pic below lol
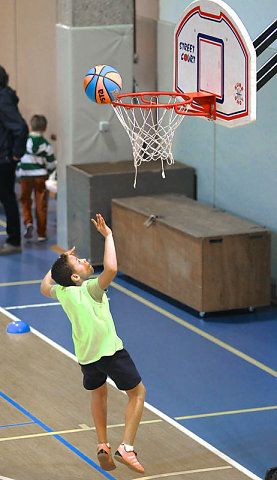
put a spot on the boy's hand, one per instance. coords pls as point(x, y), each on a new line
point(101, 225)
point(70, 252)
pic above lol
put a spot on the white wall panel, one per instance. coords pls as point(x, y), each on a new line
point(80, 141)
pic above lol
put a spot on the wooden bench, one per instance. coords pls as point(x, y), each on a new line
point(91, 187)
point(201, 256)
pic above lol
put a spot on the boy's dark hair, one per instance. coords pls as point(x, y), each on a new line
point(38, 123)
point(4, 77)
point(61, 272)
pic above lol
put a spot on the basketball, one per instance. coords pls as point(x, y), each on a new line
point(102, 84)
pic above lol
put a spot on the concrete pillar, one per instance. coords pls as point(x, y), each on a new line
point(89, 32)
point(89, 13)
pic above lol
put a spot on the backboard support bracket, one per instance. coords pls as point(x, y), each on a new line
point(204, 105)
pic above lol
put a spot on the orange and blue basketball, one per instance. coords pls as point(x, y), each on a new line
point(102, 84)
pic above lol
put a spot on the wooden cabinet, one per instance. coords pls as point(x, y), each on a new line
point(201, 256)
point(91, 187)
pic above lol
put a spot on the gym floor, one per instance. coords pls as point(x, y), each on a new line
point(210, 383)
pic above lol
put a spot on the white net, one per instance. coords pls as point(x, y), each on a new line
point(151, 125)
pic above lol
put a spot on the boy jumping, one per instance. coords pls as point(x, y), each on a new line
point(98, 349)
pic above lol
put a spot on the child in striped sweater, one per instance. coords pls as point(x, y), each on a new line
point(33, 170)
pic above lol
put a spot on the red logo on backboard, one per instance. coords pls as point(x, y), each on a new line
point(239, 93)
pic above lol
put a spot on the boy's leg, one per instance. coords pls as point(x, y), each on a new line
point(41, 206)
point(99, 414)
point(133, 413)
point(26, 187)
point(9, 201)
point(125, 453)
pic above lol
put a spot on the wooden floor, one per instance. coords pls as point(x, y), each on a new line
point(46, 430)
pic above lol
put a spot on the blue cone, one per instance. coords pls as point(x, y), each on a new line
point(18, 326)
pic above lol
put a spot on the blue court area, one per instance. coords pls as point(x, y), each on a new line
point(215, 376)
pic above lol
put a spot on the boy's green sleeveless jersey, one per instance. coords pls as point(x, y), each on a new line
point(93, 329)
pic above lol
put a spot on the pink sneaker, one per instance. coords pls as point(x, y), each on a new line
point(104, 457)
point(128, 458)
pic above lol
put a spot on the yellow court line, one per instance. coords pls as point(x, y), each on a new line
point(185, 472)
point(26, 282)
point(44, 434)
point(176, 319)
point(76, 430)
point(2, 223)
point(231, 412)
point(197, 330)
point(57, 249)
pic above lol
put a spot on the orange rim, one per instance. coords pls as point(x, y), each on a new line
point(203, 104)
point(187, 99)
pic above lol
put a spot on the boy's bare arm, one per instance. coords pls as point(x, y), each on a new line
point(46, 284)
point(109, 261)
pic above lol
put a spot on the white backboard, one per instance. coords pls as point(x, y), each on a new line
point(213, 53)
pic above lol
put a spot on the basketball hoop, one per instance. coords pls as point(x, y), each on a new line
point(151, 118)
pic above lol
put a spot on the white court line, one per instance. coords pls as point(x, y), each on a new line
point(34, 305)
point(150, 407)
point(176, 319)
point(6, 478)
point(185, 472)
point(202, 442)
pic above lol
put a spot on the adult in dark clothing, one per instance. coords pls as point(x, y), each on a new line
point(13, 137)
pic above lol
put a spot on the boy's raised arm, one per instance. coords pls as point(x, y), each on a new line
point(46, 284)
point(109, 261)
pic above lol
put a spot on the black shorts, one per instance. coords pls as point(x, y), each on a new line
point(119, 367)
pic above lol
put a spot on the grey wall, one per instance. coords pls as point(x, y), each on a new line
point(89, 33)
point(236, 168)
point(255, 15)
